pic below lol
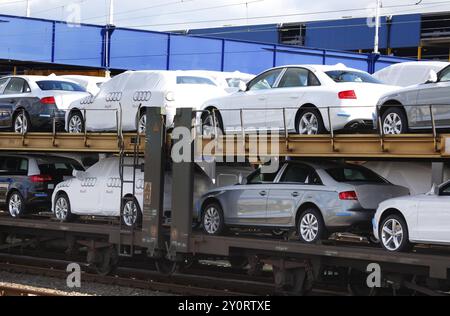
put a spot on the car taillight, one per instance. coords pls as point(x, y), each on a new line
point(349, 195)
point(345, 95)
point(48, 100)
point(41, 178)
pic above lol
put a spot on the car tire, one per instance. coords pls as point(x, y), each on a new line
point(394, 121)
point(21, 123)
point(311, 227)
point(131, 215)
point(62, 208)
point(16, 205)
point(394, 235)
point(213, 222)
point(75, 123)
point(142, 124)
point(208, 127)
point(310, 122)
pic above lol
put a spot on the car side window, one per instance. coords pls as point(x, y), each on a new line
point(258, 177)
point(445, 75)
point(3, 83)
point(298, 77)
point(13, 166)
point(265, 81)
point(297, 173)
point(15, 86)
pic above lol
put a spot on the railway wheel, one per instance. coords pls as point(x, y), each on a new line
point(357, 284)
point(62, 208)
point(291, 281)
point(310, 122)
point(166, 267)
point(212, 219)
point(16, 204)
point(311, 228)
point(394, 121)
point(76, 123)
point(394, 234)
point(103, 261)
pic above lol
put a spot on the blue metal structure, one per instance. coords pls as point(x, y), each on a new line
point(36, 40)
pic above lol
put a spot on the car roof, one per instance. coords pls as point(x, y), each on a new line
point(320, 164)
point(322, 68)
point(40, 78)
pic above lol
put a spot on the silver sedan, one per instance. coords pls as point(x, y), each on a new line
point(315, 199)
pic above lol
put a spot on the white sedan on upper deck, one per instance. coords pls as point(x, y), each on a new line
point(422, 218)
point(308, 94)
point(122, 100)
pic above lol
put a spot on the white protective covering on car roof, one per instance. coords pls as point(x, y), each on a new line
point(414, 175)
point(409, 73)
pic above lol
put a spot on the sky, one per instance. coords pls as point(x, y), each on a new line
point(170, 15)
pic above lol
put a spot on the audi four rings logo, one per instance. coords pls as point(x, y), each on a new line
point(87, 100)
point(142, 96)
point(114, 96)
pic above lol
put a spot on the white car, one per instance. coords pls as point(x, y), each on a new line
point(96, 192)
point(122, 100)
point(400, 222)
point(409, 73)
point(305, 93)
point(90, 83)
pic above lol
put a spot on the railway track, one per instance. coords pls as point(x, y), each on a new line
point(24, 291)
point(211, 282)
point(178, 283)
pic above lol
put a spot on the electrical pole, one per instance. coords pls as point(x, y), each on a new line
point(28, 8)
point(376, 49)
point(111, 12)
point(109, 28)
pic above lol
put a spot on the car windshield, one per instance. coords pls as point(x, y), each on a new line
point(340, 76)
point(354, 174)
point(194, 80)
point(48, 85)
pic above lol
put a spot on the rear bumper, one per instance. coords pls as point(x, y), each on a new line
point(350, 220)
point(44, 121)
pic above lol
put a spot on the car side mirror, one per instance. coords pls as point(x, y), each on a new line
point(79, 174)
point(242, 86)
point(242, 180)
point(432, 77)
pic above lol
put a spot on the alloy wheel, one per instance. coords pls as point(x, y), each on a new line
point(211, 221)
point(130, 213)
point(309, 124)
point(392, 124)
point(392, 235)
point(142, 124)
point(75, 124)
point(21, 123)
point(309, 227)
point(15, 205)
point(61, 208)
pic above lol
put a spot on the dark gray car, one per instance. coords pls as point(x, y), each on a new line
point(316, 199)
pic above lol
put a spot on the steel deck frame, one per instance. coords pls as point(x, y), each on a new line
point(410, 146)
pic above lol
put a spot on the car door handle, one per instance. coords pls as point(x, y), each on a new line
point(109, 191)
point(82, 191)
point(294, 97)
point(295, 194)
point(263, 193)
point(262, 98)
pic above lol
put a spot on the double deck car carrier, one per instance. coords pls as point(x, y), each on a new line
point(296, 266)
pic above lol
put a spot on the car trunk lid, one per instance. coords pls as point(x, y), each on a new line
point(370, 195)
